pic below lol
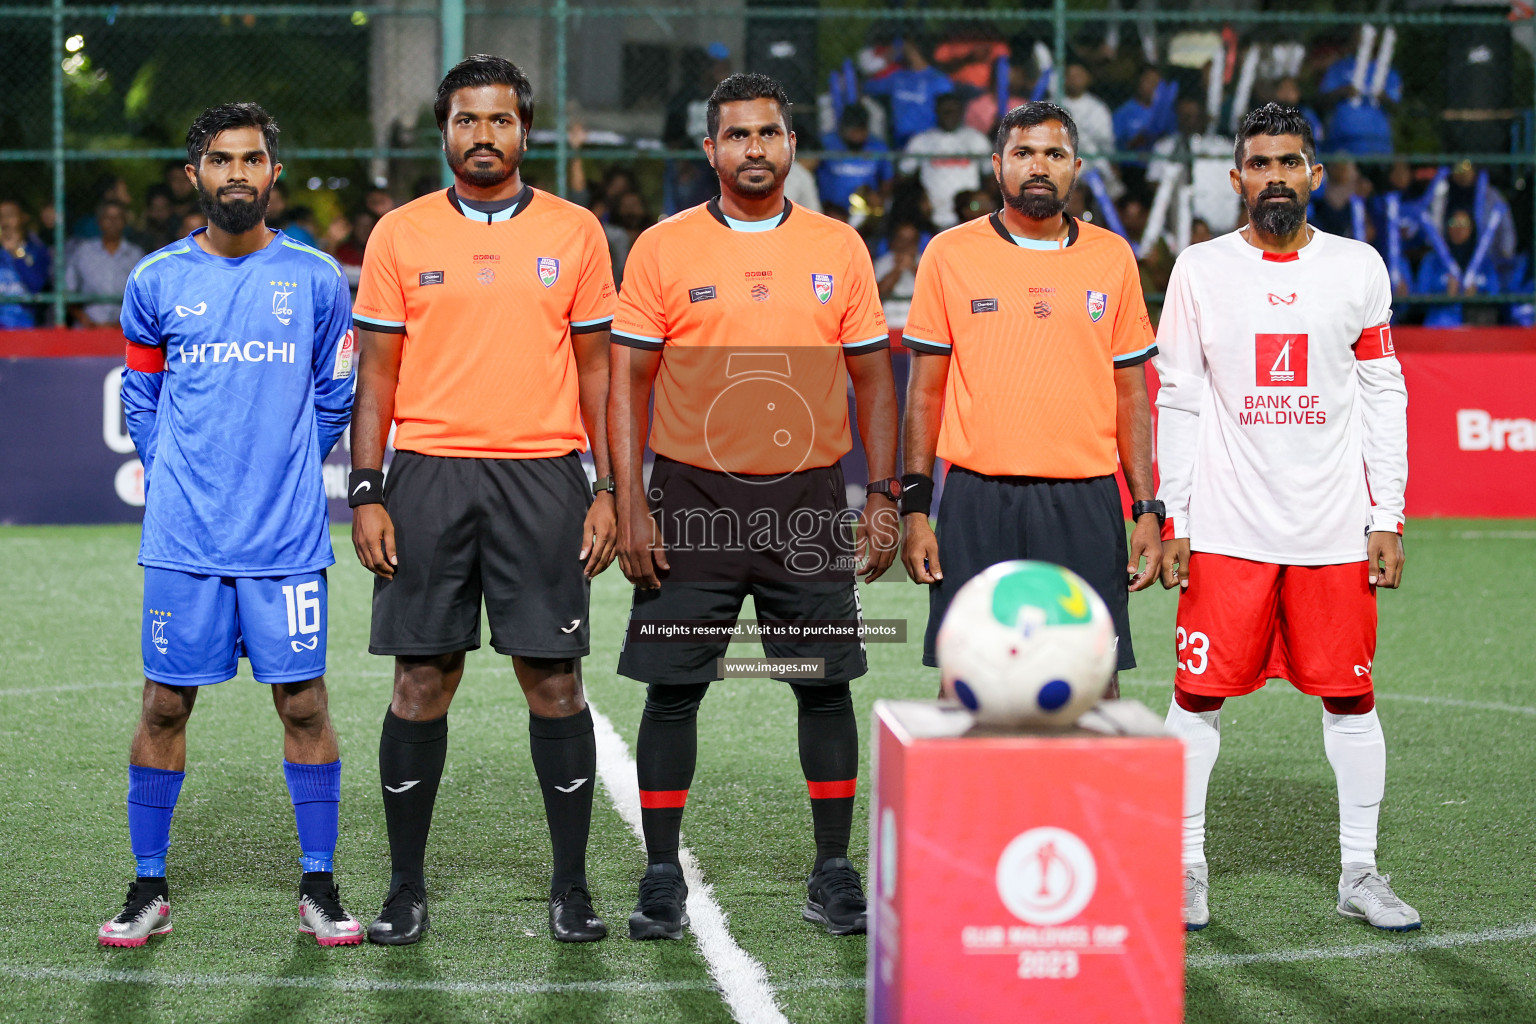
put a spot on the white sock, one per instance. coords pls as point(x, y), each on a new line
point(1357, 749)
point(1201, 733)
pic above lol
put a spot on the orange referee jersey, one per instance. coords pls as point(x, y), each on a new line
point(753, 326)
point(487, 304)
point(1035, 337)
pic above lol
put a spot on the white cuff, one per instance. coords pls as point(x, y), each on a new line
point(1386, 522)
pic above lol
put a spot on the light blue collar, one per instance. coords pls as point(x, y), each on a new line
point(1044, 244)
point(752, 225)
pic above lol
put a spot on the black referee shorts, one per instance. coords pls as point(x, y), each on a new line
point(782, 540)
point(507, 529)
point(1078, 524)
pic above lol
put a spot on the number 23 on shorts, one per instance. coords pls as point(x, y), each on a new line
point(1192, 651)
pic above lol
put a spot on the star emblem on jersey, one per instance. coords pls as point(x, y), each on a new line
point(486, 275)
point(549, 270)
point(197, 310)
point(822, 283)
point(1282, 300)
point(280, 301)
point(1098, 302)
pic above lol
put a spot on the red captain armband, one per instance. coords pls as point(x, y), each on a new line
point(146, 359)
point(1375, 343)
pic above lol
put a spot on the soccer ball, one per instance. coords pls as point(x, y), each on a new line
point(1026, 643)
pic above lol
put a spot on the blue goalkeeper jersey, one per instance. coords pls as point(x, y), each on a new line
point(238, 383)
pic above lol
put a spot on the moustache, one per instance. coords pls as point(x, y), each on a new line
point(1047, 182)
point(485, 150)
point(230, 190)
point(1278, 192)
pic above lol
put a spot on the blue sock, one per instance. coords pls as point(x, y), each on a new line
point(152, 794)
point(316, 793)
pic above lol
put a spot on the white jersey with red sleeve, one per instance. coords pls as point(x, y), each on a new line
point(1282, 413)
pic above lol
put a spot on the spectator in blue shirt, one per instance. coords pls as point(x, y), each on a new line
point(1359, 124)
point(1134, 128)
point(838, 178)
point(24, 266)
point(911, 90)
point(1435, 278)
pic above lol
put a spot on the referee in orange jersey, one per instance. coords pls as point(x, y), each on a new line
point(1028, 330)
point(483, 317)
point(749, 316)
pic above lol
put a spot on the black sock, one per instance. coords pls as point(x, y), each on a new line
point(665, 755)
point(411, 756)
point(565, 758)
point(829, 756)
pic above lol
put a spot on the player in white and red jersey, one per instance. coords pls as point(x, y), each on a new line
point(1282, 445)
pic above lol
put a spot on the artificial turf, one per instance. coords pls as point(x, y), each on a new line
point(1456, 825)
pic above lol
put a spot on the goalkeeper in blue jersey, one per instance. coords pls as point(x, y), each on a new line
point(239, 381)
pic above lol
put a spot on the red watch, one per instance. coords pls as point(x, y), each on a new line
point(889, 487)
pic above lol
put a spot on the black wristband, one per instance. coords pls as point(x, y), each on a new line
point(365, 487)
point(916, 493)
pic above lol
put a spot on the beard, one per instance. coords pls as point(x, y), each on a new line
point(487, 177)
point(1037, 207)
point(754, 190)
point(1278, 220)
point(237, 214)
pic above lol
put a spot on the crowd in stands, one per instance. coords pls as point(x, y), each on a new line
point(899, 147)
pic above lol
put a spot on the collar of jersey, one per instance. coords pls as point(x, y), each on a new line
point(713, 206)
point(198, 252)
point(1305, 252)
point(519, 204)
point(996, 221)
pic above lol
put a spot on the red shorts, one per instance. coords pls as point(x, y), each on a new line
point(1241, 623)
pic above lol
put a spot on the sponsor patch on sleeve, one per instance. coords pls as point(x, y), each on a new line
point(344, 355)
point(1375, 343)
point(983, 305)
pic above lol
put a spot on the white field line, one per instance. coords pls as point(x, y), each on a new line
point(1414, 943)
point(742, 980)
point(171, 979)
point(1286, 689)
point(28, 691)
point(1496, 535)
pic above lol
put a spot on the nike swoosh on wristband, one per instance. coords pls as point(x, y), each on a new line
point(572, 627)
point(362, 486)
point(403, 786)
point(573, 787)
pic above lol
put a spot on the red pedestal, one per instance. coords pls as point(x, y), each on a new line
point(1024, 877)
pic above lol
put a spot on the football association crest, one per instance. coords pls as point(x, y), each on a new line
point(157, 634)
point(822, 283)
point(1097, 303)
point(549, 270)
point(280, 301)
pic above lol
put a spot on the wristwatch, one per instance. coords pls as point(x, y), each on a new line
point(1141, 508)
point(601, 484)
point(890, 487)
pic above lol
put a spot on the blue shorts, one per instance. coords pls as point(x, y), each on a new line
point(196, 628)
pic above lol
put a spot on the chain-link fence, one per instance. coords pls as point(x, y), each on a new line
point(1424, 116)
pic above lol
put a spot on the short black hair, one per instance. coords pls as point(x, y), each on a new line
point(480, 70)
point(1273, 119)
point(207, 126)
point(741, 87)
point(1027, 115)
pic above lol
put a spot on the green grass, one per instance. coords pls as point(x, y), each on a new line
point(1456, 827)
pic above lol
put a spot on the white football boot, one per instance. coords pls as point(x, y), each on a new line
point(1368, 896)
point(1197, 891)
point(146, 912)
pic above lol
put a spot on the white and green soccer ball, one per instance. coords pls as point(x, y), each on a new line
point(1026, 643)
